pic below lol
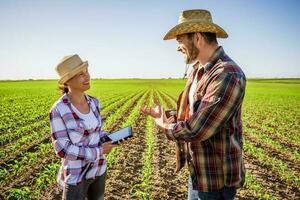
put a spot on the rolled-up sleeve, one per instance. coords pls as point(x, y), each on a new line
point(223, 96)
point(63, 146)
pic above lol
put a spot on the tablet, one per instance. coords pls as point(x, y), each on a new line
point(120, 135)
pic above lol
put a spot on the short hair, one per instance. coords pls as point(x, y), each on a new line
point(209, 38)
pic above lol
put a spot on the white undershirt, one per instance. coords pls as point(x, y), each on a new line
point(89, 119)
point(191, 95)
point(192, 92)
point(191, 99)
point(90, 122)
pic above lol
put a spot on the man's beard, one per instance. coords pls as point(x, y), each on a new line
point(191, 53)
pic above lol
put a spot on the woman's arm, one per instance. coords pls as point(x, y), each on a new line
point(63, 146)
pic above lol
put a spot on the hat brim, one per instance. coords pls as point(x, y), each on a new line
point(72, 73)
point(194, 27)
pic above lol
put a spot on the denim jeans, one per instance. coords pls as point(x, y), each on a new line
point(92, 189)
point(226, 193)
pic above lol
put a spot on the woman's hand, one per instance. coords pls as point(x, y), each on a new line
point(107, 147)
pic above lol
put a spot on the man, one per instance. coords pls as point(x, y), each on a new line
point(208, 129)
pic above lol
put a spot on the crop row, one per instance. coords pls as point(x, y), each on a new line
point(142, 189)
point(113, 155)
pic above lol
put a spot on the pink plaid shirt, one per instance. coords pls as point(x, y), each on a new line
point(79, 149)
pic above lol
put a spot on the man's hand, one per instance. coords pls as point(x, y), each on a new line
point(162, 121)
point(171, 116)
point(153, 112)
point(107, 147)
point(159, 116)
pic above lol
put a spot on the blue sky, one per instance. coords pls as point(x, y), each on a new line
point(123, 38)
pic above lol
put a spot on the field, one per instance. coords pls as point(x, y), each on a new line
point(142, 168)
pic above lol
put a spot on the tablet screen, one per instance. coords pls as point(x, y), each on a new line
point(121, 134)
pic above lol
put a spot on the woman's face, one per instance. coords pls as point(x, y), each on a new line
point(80, 82)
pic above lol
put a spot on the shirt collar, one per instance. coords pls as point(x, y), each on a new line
point(212, 60)
point(196, 65)
point(66, 100)
point(219, 53)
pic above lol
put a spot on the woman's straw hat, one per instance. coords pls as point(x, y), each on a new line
point(69, 66)
point(193, 21)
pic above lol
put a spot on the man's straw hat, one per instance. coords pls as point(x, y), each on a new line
point(193, 21)
point(69, 66)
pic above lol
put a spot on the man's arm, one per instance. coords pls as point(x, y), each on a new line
point(223, 96)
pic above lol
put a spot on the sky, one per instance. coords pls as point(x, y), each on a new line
point(123, 38)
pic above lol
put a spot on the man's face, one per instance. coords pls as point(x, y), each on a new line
point(187, 47)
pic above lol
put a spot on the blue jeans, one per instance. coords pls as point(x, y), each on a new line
point(226, 193)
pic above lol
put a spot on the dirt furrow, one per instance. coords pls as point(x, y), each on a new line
point(125, 173)
point(166, 184)
point(271, 152)
point(270, 182)
point(27, 176)
point(284, 141)
point(127, 169)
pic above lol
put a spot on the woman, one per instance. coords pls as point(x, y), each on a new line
point(76, 125)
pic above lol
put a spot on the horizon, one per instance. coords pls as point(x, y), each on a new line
point(30, 79)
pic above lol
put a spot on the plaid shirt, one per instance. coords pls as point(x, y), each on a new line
point(79, 149)
point(210, 138)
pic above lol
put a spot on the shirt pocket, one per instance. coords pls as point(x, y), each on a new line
point(76, 134)
point(214, 100)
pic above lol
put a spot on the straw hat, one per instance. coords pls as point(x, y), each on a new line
point(193, 21)
point(69, 66)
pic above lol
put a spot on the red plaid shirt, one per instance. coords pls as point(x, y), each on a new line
point(211, 138)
